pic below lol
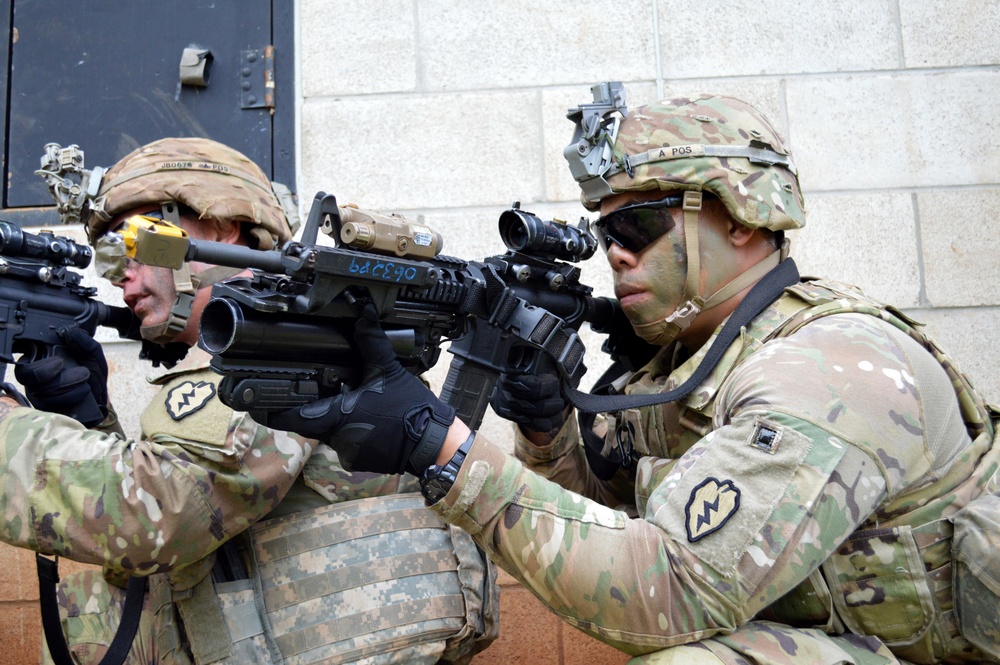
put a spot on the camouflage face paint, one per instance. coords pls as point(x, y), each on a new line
point(654, 288)
point(716, 258)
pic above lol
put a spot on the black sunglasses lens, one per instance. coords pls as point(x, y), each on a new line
point(634, 228)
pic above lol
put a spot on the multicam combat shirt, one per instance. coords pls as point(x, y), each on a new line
point(795, 442)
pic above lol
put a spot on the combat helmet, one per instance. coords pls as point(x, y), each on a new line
point(699, 143)
point(212, 179)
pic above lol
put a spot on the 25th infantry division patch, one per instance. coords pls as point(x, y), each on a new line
point(188, 397)
point(711, 504)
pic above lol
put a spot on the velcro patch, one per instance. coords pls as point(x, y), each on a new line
point(711, 504)
point(188, 397)
point(766, 436)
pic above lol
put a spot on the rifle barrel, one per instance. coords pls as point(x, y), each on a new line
point(235, 256)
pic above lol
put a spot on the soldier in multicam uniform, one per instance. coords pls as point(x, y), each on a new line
point(172, 504)
point(802, 503)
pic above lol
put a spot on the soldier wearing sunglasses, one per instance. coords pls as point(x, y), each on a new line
point(790, 479)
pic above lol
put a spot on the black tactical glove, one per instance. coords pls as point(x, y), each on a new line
point(390, 423)
point(533, 398)
point(73, 383)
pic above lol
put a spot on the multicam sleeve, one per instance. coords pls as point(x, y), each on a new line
point(564, 462)
point(135, 506)
point(326, 475)
point(613, 577)
point(798, 460)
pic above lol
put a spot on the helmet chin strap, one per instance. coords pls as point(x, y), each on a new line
point(665, 331)
point(186, 286)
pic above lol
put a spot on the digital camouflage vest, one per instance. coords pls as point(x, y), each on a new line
point(380, 580)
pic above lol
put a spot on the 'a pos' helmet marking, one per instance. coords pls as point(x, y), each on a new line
point(705, 142)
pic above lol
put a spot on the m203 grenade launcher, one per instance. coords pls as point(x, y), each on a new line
point(283, 336)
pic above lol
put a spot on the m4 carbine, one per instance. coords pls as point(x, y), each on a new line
point(283, 336)
point(40, 296)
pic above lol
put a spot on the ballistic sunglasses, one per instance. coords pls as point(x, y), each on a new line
point(636, 226)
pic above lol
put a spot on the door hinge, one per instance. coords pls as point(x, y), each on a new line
point(257, 78)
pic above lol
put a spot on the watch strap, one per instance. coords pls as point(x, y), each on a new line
point(437, 480)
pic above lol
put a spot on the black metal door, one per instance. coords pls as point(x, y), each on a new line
point(106, 75)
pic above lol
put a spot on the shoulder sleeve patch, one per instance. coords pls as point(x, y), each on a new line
point(188, 397)
point(188, 412)
point(710, 505)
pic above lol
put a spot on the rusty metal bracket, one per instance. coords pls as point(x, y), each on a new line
point(257, 78)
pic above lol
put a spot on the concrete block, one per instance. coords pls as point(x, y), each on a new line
point(868, 240)
point(525, 43)
point(961, 250)
point(899, 130)
point(128, 384)
point(580, 648)
point(969, 336)
point(20, 634)
point(777, 37)
point(12, 577)
point(355, 48)
point(433, 151)
point(950, 33)
point(577, 648)
point(469, 233)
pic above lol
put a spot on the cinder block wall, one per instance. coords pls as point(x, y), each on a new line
point(449, 111)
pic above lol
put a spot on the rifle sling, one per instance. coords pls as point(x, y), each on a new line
point(763, 293)
point(48, 577)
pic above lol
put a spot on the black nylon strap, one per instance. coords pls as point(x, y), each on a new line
point(604, 467)
point(763, 293)
point(48, 577)
point(515, 316)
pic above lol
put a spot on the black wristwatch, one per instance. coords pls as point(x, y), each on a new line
point(437, 480)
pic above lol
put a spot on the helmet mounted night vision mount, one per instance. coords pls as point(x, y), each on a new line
point(590, 153)
point(74, 188)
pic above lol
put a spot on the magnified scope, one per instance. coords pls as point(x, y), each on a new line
point(524, 232)
point(44, 246)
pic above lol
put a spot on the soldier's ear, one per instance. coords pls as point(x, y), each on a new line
point(739, 234)
point(230, 231)
point(224, 231)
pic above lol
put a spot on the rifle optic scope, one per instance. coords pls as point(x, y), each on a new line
point(44, 246)
point(524, 232)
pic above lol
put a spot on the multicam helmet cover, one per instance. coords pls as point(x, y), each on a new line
point(212, 179)
point(697, 144)
point(216, 181)
point(702, 142)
